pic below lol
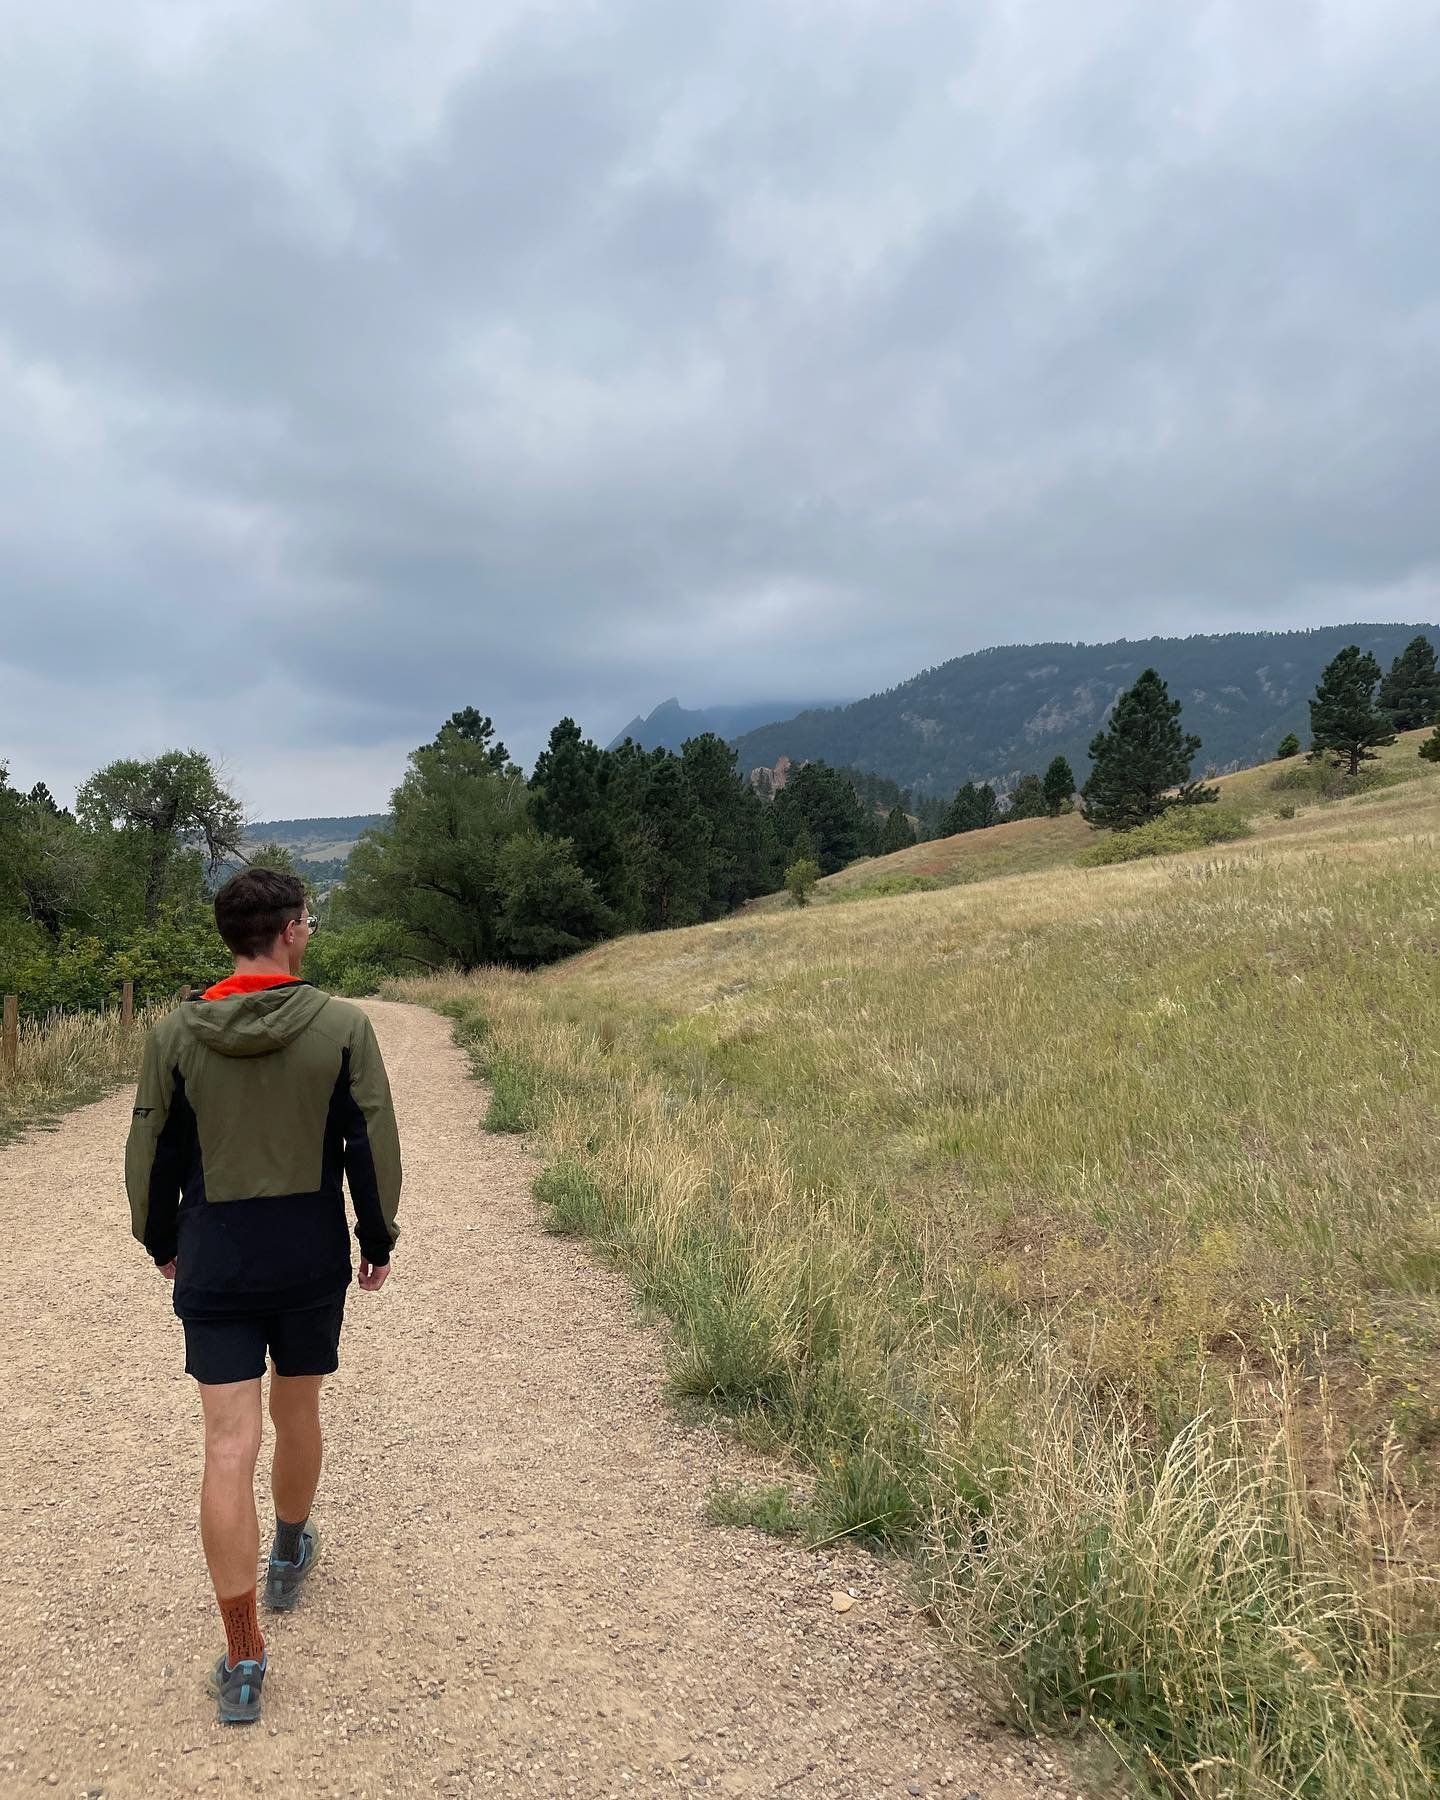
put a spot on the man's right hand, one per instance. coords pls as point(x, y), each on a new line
point(372, 1276)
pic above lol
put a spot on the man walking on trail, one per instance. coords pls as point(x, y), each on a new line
point(254, 1098)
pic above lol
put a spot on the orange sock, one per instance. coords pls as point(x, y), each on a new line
point(242, 1629)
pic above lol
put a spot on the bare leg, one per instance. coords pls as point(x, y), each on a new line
point(295, 1412)
point(229, 1529)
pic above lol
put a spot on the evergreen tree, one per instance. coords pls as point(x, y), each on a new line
point(675, 835)
point(964, 812)
point(1343, 718)
point(469, 726)
point(570, 799)
point(988, 804)
point(802, 847)
point(899, 833)
point(732, 861)
point(1288, 746)
point(549, 907)
point(41, 797)
point(1059, 785)
point(1140, 758)
point(1430, 749)
point(1410, 693)
point(1027, 799)
point(820, 799)
point(929, 810)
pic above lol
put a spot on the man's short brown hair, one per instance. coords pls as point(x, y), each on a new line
point(255, 906)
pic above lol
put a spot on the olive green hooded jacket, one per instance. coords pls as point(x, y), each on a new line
point(249, 1112)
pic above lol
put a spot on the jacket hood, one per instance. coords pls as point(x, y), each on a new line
point(254, 1024)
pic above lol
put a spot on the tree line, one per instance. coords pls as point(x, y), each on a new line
point(475, 863)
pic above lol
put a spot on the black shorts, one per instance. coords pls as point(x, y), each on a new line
point(305, 1341)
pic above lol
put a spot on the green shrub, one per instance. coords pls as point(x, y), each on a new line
point(800, 879)
point(1319, 778)
point(1182, 828)
point(83, 972)
point(356, 959)
point(886, 887)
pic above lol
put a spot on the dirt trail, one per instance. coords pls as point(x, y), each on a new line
point(519, 1594)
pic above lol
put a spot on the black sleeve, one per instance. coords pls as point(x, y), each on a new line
point(174, 1153)
point(371, 1232)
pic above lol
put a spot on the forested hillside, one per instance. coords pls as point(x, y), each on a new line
point(990, 716)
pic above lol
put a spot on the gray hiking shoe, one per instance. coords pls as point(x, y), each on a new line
point(236, 1691)
point(283, 1580)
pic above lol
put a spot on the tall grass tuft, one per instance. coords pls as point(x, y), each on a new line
point(1212, 1624)
point(64, 1060)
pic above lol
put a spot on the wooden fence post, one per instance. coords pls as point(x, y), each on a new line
point(127, 1005)
point(11, 1033)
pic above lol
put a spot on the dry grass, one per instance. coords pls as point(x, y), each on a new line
point(64, 1061)
point(1032, 845)
point(1079, 1230)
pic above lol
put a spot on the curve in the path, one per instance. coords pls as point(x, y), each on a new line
point(519, 1593)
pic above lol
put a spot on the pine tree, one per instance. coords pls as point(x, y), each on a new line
point(733, 810)
point(1027, 799)
point(570, 799)
point(1140, 758)
point(820, 798)
point(930, 812)
point(1343, 719)
point(1410, 693)
point(899, 833)
point(1288, 746)
point(469, 726)
point(1430, 749)
point(676, 837)
point(963, 813)
point(988, 802)
point(42, 799)
point(1059, 785)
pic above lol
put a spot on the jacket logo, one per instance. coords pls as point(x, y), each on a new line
point(142, 1112)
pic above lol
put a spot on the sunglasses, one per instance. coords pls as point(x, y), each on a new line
point(311, 922)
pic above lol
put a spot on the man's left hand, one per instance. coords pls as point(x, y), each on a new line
point(167, 1269)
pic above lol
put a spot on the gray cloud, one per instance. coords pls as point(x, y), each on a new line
point(358, 362)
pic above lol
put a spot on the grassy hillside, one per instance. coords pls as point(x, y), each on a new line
point(1030, 845)
point(1077, 1229)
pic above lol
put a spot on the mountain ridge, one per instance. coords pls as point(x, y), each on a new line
point(994, 713)
point(668, 725)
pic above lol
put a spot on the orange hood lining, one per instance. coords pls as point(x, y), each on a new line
point(246, 984)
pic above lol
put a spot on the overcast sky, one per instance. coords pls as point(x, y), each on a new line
point(359, 361)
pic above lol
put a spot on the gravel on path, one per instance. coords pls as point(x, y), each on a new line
point(519, 1594)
